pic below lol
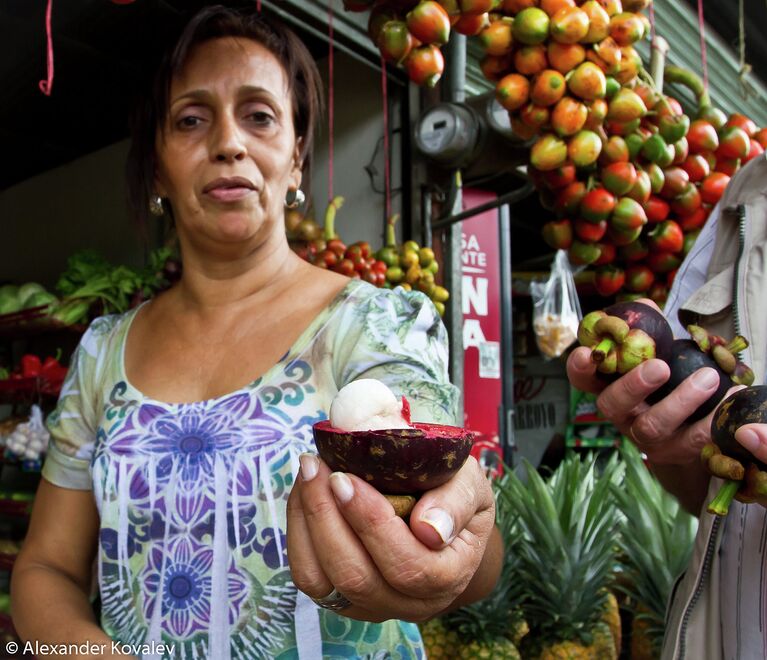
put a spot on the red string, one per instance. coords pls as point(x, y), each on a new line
point(47, 85)
point(387, 166)
point(652, 24)
point(258, 6)
point(331, 109)
point(702, 30)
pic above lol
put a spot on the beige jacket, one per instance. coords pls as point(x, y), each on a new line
point(733, 300)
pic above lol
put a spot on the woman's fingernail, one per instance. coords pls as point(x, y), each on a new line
point(654, 373)
point(441, 521)
point(342, 487)
point(749, 439)
point(705, 379)
point(310, 466)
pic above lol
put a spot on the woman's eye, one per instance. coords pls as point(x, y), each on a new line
point(189, 121)
point(262, 118)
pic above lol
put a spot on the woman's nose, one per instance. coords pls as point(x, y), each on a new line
point(227, 142)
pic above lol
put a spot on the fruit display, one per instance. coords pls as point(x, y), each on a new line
point(410, 266)
point(656, 541)
point(369, 434)
point(745, 475)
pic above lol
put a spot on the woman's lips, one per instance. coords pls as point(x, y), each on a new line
point(229, 194)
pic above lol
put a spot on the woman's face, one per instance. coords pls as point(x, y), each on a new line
point(228, 152)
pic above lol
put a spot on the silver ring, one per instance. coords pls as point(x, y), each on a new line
point(335, 601)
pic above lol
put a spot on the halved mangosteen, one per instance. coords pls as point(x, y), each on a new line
point(400, 463)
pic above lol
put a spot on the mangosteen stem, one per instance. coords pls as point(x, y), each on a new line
point(737, 345)
point(721, 503)
point(602, 349)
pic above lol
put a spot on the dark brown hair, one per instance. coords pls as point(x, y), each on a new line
point(215, 22)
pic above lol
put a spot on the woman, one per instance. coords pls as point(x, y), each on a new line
point(177, 440)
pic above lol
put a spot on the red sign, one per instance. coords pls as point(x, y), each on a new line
point(481, 295)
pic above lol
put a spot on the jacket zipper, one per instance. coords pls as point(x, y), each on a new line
point(717, 522)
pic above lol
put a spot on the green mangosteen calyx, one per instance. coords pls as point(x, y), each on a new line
point(724, 353)
point(615, 346)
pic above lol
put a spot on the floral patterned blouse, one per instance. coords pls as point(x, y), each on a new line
point(192, 496)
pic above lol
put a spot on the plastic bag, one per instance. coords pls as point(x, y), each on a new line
point(556, 310)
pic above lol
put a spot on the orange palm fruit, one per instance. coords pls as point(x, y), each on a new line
point(565, 57)
point(512, 91)
point(548, 87)
point(530, 60)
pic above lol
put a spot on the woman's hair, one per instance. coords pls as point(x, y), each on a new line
point(304, 85)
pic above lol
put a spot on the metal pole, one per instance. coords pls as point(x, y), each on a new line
point(508, 444)
point(506, 198)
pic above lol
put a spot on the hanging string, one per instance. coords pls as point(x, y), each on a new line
point(47, 85)
point(331, 104)
point(702, 31)
point(258, 6)
point(745, 69)
point(652, 24)
point(387, 164)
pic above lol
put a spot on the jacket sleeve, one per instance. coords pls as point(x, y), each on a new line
point(398, 338)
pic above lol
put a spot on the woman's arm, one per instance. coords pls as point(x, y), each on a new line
point(52, 575)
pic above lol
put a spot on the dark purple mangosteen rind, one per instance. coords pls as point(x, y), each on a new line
point(746, 406)
point(396, 461)
point(686, 358)
point(646, 318)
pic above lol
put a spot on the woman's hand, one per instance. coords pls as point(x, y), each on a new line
point(343, 534)
point(660, 430)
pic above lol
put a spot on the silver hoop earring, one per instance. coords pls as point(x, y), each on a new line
point(294, 198)
point(155, 206)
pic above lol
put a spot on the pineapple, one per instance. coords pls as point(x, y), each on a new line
point(439, 642)
point(656, 543)
point(568, 525)
point(612, 617)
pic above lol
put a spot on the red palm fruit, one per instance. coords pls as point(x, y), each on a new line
point(599, 22)
point(452, 7)
point(569, 25)
point(681, 151)
point(551, 7)
point(612, 7)
point(713, 115)
point(743, 122)
point(476, 7)
point(626, 106)
point(710, 157)
point(658, 293)
point(666, 237)
point(428, 22)
point(565, 57)
point(689, 240)
point(668, 107)
point(663, 262)
point(597, 111)
point(641, 190)
point(395, 41)
point(761, 137)
point(495, 68)
point(379, 16)
point(622, 128)
point(530, 60)
point(727, 166)
point(619, 178)
point(425, 65)
point(647, 94)
point(702, 136)
point(733, 143)
point(670, 277)
point(657, 209)
point(713, 186)
point(512, 91)
point(688, 202)
point(626, 28)
point(559, 177)
point(657, 177)
point(584, 148)
point(615, 150)
point(639, 278)
point(471, 24)
point(522, 130)
point(621, 237)
point(608, 280)
point(694, 220)
point(568, 116)
point(628, 214)
point(569, 198)
point(607, 55)
point(534, 115)
point(676, 180)
point(634, 251)
point(629, 66)
point(548, 153)
point(513, 7)
point(496, 38)
point(755, 150)
point(607, 255)
point(558, 234)
point(587, 81)
point(697, 167)
point(590, 232)
point(548, 87)
point(597, 204)
point(583, 254)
